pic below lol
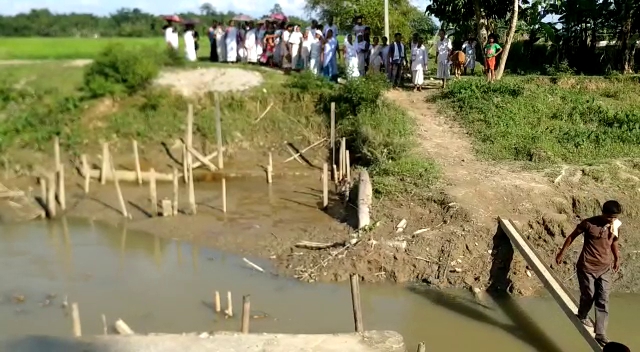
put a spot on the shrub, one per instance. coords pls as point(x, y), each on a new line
point(121, 69)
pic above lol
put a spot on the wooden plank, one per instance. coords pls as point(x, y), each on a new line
point(564, 299)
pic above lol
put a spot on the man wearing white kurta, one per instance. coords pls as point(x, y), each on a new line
point(190, 44)
point(250, 43)
point(443, 51)
point(231, 41)
point(419, 60)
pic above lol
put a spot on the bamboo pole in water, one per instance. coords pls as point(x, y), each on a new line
point(192, 192)
point(56, 152)
point(175, 192)
point(136, 156)
point(62, 196)
point(75, 316)
point(153, 193)
point(123, 206)
point(421, 347)
point(325, 186)
point(105, 329)
point(220, 157)
point(333, 134)
point(224, 195)
point(246, 314)
point(105, 161)
point(355, 300)
point(229, 310)
point(85, 173)
point(270, 169)
point(51, 195)
point(43, 192)
point(216, 301)
point(185, 167)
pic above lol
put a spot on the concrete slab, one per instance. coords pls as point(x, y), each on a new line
point(371, 341)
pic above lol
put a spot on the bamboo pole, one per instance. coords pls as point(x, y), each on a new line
point(201, 158)
point(75, 315)
point(343, 158)
point(333, 134)
point(335, 174)
point(325, 186)
point(229, 310)
point(85, 172)
point(365, 199)
point(216, 302)
point(348, 161)
point(130, 176)
point(105, 161)
point(189, 136)
point(123, 328)
point(304, 150)
point(153, 193)
point(219, 132)
point(105, 329)
point(176, 191)
point(185, 167)
point(123, 206)
point(62, 196)
point(246, 314)
point(56, 152)
point(270, 169)
point(421, 347)
point(192, 192)
point(355, 300)
point(43, 192)
point(136, 156)
point(224, 195)
point(51, 195)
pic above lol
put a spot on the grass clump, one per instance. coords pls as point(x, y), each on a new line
point(549, 120)
point(121, 69)
point(380, 136)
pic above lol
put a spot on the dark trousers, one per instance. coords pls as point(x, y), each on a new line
point(396, 73)
point(594, 289)
point(213, 55)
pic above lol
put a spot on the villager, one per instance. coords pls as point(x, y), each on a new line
point(286, 48)
point(330, 26)
point(171, 35)
point(418, 64)
point(329, 56)
point(491, 50)
point(250, 43)
point(295, 44)
point(315, 54)
point(351, 57)
point(189, 43)
point(221, 46)
point(469, 49)
point(307, 39)
point(397, 58)
point(231, 42)
point(375, 58)
point(211, 33)
point(599, 259)
point(443, 49)
point(385, 54)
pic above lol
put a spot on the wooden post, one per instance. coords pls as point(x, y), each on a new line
point(43, 192)
point(219, 132)
point(229, 304)
point(153, 193)
point(216, 302)
point(365, 198)
point(105, 162)
point(270, 169)
point(62, 196)
point(335, 174)
point(355, 300)
point(192, 192)
point(333, 134)
point(123, 328)
point(86, 173)
point(325, 186)
point(175, 192)
point(56, 151)
point(343, 159)
point(75, 315)
point(137, 161)
point(105, 329)
point(51, 195)
point(185, 167)
point(348, 161)
point(246, 314)
point(123, 206)
point(224, 194)
point(189, 140)
point(421, 347)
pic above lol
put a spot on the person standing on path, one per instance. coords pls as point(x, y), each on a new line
point(491, 50)
point(211, 33)
point(419, 60)
point(443, 51)
point(397, 58)
point(600, 254)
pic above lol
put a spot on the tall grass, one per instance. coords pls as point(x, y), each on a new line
point(550, 120)
point(66, 48)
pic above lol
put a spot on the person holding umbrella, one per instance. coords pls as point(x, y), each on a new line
point(170, 33)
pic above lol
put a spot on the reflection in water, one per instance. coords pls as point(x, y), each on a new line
point(141, 279)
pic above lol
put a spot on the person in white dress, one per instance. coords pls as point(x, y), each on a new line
point(419, 58)
point(330, 26)
point(315, 53)
point(469, 49)
point(443, 51)
point(231, 42)
point(385, 54)
point(260, 38)
point(168, 35)
point(307, 40)
point(250, 43)
point(221, 46)
point(295, 42)
point(351, 57)
point(375, 58)
point(190, 43)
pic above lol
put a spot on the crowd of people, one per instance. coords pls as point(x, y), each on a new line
point(278, 43)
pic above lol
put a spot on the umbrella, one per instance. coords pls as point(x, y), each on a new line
point(190, 22)
point(243, 18)
point(172, 18)
point(280, 17)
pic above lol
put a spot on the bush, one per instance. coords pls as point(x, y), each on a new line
point(120, 69)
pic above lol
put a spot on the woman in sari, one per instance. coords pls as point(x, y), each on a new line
point(231, 42)
point(351, 57)
point(315, 52)
point(329, 59)
point(375, 59)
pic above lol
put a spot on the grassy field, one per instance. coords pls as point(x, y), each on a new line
point(64, 48)
point(549, 120)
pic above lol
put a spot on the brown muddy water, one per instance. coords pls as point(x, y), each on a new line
point(160, 285)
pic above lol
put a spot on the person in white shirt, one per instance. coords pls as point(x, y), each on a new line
point(363, 50)
point(286, 48)
point(397, 59)
point(443, 51)
point(330, 26)
point(250, 43)
point(375, 58)
point(307, 39)
point(295, 40)
point(171, 36)
point(469, 49)
point(231, 41)
point(385, 54)
point(351, 57)
point(419, 58)
point(358, 28)
point(315, 53)
point(312, 29)
point(221, 46)
point(190, 43)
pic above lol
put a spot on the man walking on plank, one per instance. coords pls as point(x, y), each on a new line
point(600, 254)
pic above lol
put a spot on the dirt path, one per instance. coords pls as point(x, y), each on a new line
point(485, 189)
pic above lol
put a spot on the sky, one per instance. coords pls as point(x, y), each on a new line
point(103, 7)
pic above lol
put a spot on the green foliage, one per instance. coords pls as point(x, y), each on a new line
point(121, 69)
point(565, 119)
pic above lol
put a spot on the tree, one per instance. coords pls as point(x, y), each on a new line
point(507, 44)
point(207, 9)
point(276, 9)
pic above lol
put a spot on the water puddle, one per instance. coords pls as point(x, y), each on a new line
point(159, 285)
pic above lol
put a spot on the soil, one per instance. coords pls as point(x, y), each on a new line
point(451, 238)
point(198, 81)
